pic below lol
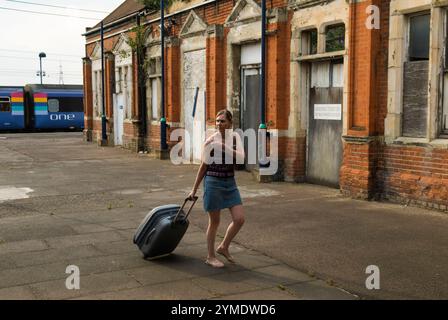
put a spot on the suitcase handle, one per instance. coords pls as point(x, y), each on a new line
point(194, 199)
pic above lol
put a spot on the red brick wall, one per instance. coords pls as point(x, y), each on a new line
point(172, 81)
point(216, 77)
point(360, 70)
point(414, 175)
point(277, 80)
point(292, 152)
point(367, 101)
point(358, 169)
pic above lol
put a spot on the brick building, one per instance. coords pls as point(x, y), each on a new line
point(355, 88)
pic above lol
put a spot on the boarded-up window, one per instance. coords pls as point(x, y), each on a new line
point(419, 31)
point(154, 98)
point(415, 99)
point(155, 66)
point(154, 82)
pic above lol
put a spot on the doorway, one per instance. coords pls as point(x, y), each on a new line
point(118, 119)
point(325, 123)
point(250, 109)
point(194, 102)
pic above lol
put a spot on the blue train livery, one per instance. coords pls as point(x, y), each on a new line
point(12, 108)
point(55, 106)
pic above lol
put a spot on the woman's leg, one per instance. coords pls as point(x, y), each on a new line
point(213, 224)
point(233, 228)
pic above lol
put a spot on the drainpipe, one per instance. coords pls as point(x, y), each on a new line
point(103, 116)
point(262, 132)
point(163, 145)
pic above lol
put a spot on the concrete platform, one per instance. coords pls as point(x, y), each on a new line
point(299, 242)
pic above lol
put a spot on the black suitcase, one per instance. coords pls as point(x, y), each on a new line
point(162, 229)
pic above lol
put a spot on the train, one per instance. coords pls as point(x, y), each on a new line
point(36, 107)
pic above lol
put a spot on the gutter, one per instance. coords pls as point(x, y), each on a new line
point(133, 15)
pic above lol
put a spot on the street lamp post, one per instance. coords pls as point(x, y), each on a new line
point(41, 55)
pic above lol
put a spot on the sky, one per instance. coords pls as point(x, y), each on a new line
point(24, 35)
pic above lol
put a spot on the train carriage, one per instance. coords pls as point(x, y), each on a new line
point(55, 106)
point(12, 109)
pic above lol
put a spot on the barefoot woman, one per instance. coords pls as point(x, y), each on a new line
point(220, 189)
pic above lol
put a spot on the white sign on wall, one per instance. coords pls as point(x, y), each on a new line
point(327, 112)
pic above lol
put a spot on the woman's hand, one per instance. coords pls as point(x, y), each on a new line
point(192, 195)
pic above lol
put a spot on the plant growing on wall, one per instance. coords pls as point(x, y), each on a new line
point(137, 44)
point(155, 4)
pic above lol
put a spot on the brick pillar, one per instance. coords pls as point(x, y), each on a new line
point(172, 97)
point(88, 102)
point(277, 69)
point(357, 175)
point(172, 80)
point(291, 147)
point(215, 72)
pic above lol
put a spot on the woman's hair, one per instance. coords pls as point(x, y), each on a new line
point(225, 112)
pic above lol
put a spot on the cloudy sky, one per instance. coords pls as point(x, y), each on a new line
point(24, 34)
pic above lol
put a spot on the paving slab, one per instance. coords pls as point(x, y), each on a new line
point(17, 293)
point(91, 284)
point(22, 246)
point(259, 295)
point(32, 274)
point(50, 255)
point(175, 290)
point(318, 290)
point(83, 239)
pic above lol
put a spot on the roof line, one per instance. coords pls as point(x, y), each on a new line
point(90, 32)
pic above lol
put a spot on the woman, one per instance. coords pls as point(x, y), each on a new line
point(220, 189)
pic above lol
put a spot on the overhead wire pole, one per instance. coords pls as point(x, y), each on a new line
point(103, 116)
point(163, 145)
point(263, 64)
point(140, 87)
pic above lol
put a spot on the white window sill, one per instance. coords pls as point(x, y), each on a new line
point(323, 56)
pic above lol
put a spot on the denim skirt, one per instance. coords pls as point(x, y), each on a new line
point(220, 193)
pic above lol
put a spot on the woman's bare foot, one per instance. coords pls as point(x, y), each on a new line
point(215, 263)
point(225, 253)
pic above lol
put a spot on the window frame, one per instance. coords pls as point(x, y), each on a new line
point(8, 102)
point(443, 109)
point(306, 43)
point(408, 33)
point(50, 100)
point(330, 26)
point(154, 73)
